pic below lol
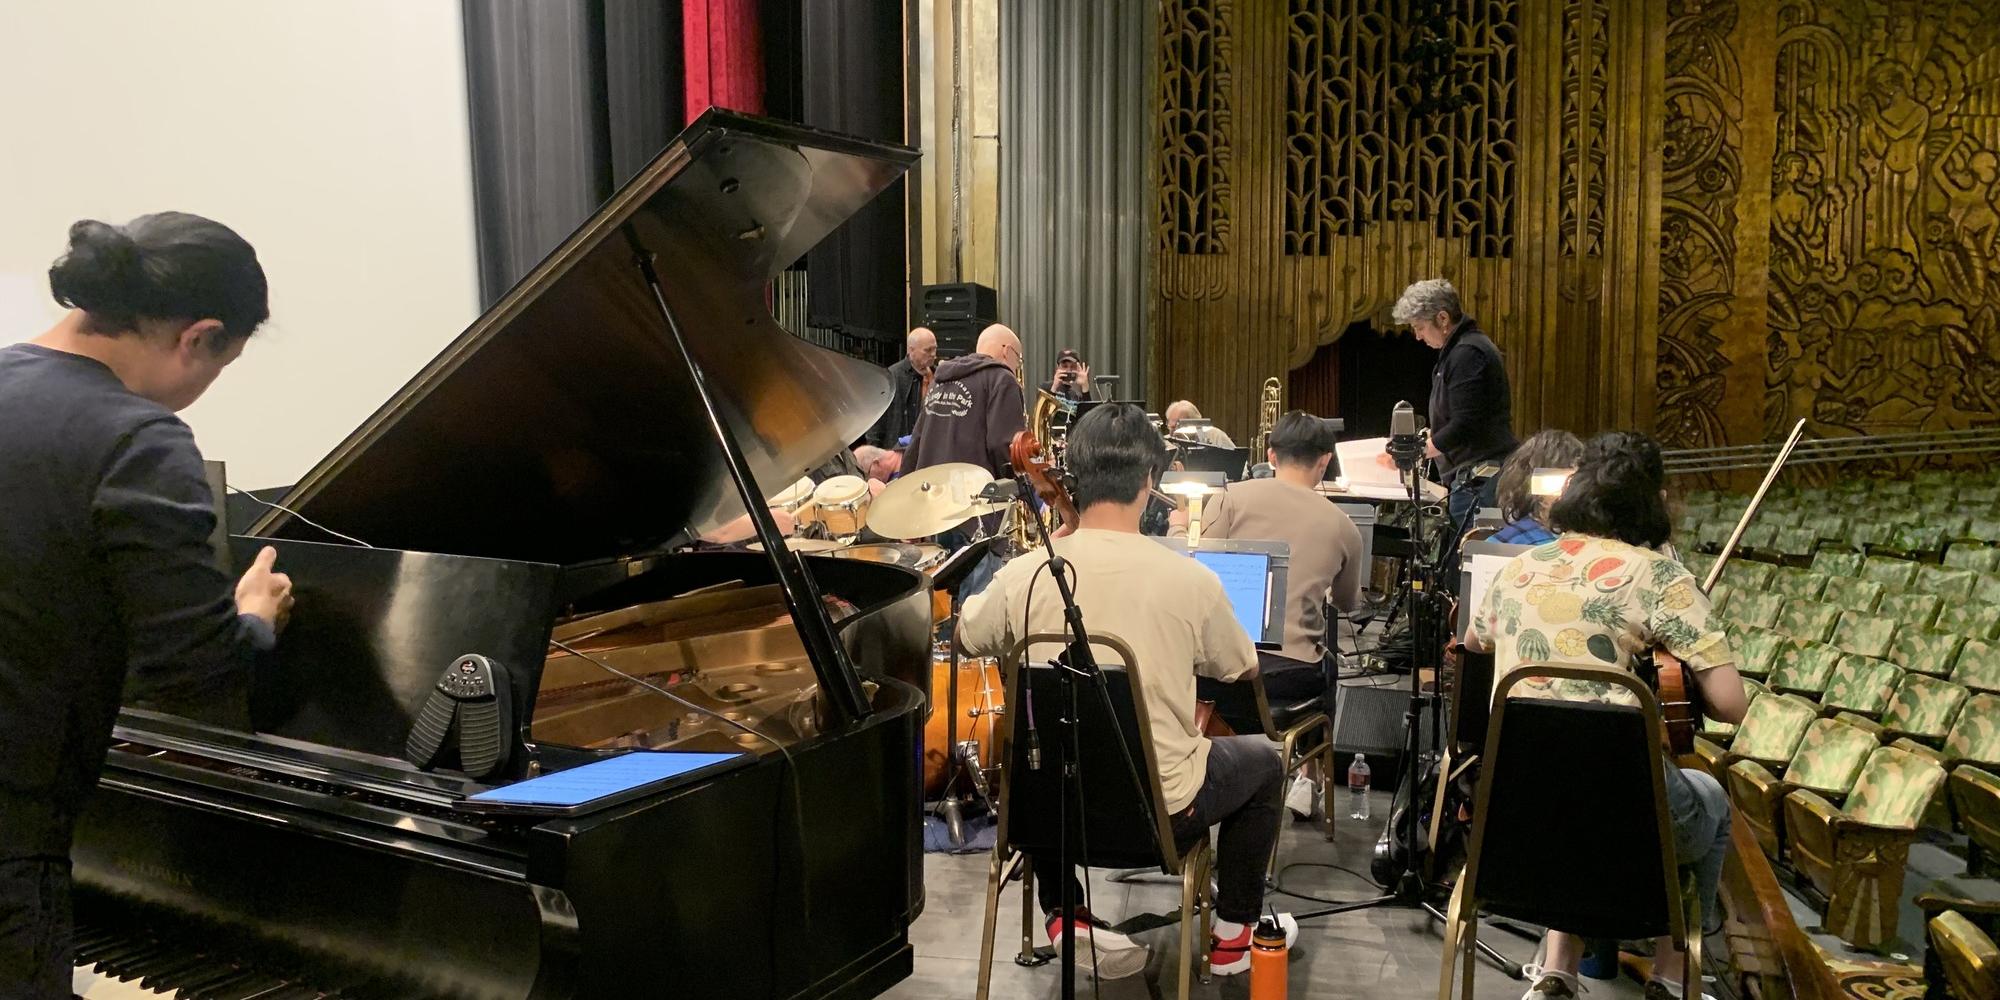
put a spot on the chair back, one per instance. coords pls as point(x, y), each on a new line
point(1604, 871)
point(1119, 824)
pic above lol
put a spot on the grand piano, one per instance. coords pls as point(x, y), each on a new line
point(540, 480)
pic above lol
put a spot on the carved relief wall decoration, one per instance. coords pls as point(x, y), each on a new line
point(1707, 218)
point(1585, 55)
point(1354, 157)
point(1702, 171)
point(1338, 195)
point(1884, 308)
point(1194, 163)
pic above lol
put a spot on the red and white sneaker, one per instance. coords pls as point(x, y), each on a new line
point(1100, 949)
point(1229, 948)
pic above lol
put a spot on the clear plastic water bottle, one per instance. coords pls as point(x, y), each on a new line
point(1357, 787)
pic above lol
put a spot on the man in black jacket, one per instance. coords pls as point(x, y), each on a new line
point(912, 376)
point(971, 415)
point(1471, 411)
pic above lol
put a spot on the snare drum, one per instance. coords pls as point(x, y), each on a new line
point(843, 505)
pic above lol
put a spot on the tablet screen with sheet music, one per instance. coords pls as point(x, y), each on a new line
point(1246, 580)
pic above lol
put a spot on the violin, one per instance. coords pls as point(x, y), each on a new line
point(1031, 464)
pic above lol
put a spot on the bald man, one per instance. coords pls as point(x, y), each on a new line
point(1209, 434)
point(971, 415)
point(973, 409)
point(912, 381)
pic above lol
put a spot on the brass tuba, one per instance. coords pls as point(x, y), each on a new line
point(1267, 417)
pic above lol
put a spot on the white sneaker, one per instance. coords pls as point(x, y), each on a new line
point(1299, 798)
point(1100, 949)
point(1548, 984)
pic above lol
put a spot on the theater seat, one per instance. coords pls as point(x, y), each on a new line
point(1856, 854)
point(1804, 667)
point(1923, 708)
point(1769, 734)
point(1827, 761)
point(1967, 957)
point(1864, 634)
point(1860, 684)
point(1925, 651)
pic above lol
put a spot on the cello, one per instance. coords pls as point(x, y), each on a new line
point(1031, 463)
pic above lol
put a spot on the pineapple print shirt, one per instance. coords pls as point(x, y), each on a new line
point(1595, 601)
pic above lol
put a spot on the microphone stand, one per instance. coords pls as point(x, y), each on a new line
point(1410, 887)
point(1076, 662)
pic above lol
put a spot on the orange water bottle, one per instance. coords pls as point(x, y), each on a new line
point(1270, 961)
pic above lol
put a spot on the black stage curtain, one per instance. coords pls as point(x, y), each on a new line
point(853, 83)
point(567, 99)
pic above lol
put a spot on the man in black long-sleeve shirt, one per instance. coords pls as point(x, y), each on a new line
point(1471, 410)
point(105, 562)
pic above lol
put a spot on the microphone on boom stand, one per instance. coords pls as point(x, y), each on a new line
point(1399, 861)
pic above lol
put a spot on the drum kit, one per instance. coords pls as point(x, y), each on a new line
point(844, 519)
point(919, 505)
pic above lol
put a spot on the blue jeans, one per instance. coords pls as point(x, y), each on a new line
point(1700, 811)
point(1465, 498)
point(977, 579)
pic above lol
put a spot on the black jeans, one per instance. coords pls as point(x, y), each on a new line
point(35, 947)
point(1286, 682)
point(1245, 792)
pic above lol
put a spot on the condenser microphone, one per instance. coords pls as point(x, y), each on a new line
point(1406, 443)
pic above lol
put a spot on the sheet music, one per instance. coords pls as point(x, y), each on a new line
point(1485, 569)
point(1361, 465)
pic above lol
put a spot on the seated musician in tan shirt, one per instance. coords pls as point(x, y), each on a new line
point(1172, 612)
point(1325, 560)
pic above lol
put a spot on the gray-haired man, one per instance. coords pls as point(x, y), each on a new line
point(1471, 411)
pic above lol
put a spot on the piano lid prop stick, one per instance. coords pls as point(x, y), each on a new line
point(802, 596)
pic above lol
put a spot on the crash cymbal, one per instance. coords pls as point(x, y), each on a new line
point(933, 499)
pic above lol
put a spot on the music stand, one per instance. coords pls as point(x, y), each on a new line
point(1198, 457)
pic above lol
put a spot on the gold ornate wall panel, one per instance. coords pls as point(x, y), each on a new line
point(1884, 219)
point(1338, 190)
point(1701, 167)
point(1195, 60)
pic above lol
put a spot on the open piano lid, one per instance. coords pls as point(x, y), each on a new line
point(563, 426)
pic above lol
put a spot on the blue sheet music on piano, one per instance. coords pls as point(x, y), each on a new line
point(599, 779)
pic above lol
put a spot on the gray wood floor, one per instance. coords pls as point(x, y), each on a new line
point(1378, 953)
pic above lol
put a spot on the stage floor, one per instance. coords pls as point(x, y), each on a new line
point(1383, 954)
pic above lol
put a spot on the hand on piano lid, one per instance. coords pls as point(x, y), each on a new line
point(265, 593)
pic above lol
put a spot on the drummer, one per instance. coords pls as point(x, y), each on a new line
point(882, 465)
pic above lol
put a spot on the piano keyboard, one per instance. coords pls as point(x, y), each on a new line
point(114, 965)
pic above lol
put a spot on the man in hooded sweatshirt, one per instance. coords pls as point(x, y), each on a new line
point(971, 415)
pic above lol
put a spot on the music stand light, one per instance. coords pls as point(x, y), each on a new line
point(1549, 482)
point(1194, 486)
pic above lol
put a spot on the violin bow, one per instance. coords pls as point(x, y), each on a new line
point(1743, 523)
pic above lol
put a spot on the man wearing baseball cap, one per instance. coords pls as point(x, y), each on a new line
point(1071, 380)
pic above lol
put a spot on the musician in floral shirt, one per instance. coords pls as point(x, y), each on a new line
point(1596, 601)
point(1599, 594)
